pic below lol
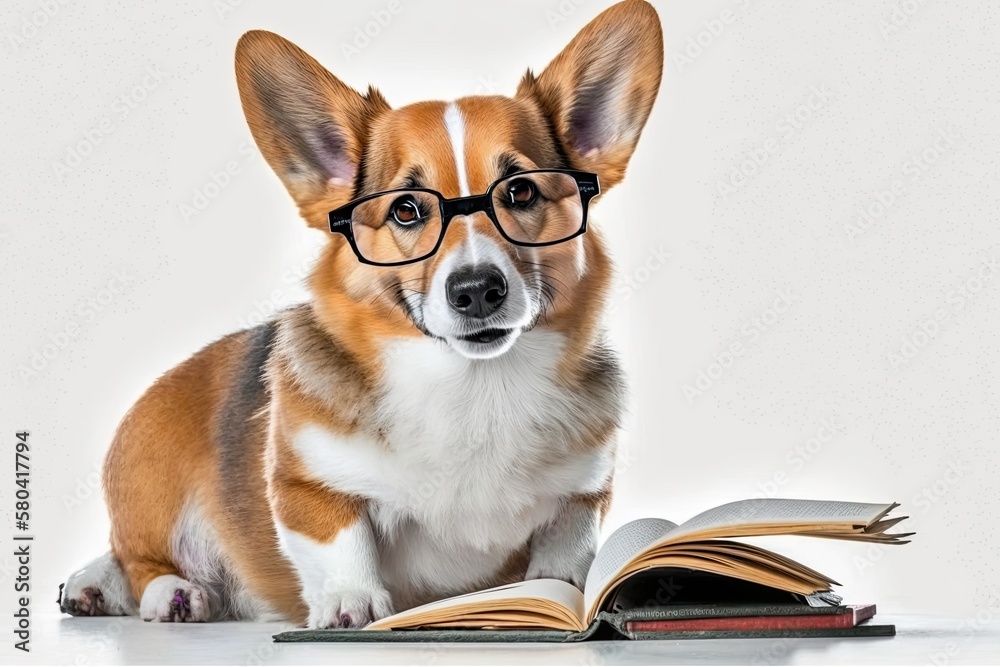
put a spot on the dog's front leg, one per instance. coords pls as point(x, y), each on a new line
point(329, 539)
point(565, 547)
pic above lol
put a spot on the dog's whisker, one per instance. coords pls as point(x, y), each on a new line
point(396, 285)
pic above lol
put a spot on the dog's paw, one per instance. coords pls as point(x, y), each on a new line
point(96, 589)
point(170, 599)
point(77, 601)
point(349, 608)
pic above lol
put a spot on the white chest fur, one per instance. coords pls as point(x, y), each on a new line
point(477, 455)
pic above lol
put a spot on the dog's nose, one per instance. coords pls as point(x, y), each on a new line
point(476, 293)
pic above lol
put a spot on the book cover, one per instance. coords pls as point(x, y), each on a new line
point(852, 616)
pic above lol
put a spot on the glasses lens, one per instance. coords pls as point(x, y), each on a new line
point(541, 207)
point(400, 226)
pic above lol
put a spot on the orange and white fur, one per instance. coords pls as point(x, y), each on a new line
point(357, 456)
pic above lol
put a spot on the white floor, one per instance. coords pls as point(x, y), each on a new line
point(62, 640)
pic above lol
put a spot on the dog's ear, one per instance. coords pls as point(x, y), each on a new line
point(600, 89)
point(309, 125)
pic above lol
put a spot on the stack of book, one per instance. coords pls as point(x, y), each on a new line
point(655, 579)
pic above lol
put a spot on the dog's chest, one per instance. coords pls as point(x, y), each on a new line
point(475, 454)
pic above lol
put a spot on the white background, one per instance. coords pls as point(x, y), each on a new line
point(856, 300)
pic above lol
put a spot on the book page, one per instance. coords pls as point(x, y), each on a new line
point(522, 596)
point(622, 546)
point(771, 511)
point(764, 516)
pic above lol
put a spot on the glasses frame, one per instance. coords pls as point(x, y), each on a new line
point(587, 184)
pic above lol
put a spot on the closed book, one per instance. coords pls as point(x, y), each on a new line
point(852, 616)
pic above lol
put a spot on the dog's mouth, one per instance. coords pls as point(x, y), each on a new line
point(486, 336)
point(485, 343)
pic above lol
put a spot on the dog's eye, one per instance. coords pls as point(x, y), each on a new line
point(405, 211)
point(521, 191)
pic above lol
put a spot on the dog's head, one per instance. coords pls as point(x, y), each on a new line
point(332, 146)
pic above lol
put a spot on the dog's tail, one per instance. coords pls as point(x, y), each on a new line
point(99, 588)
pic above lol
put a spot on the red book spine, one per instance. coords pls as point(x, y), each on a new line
point(849, 619)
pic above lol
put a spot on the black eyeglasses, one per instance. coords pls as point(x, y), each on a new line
point(529, 208)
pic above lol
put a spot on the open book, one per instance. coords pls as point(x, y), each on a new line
point(697, 545)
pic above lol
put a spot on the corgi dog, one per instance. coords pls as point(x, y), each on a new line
point(440, 416)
